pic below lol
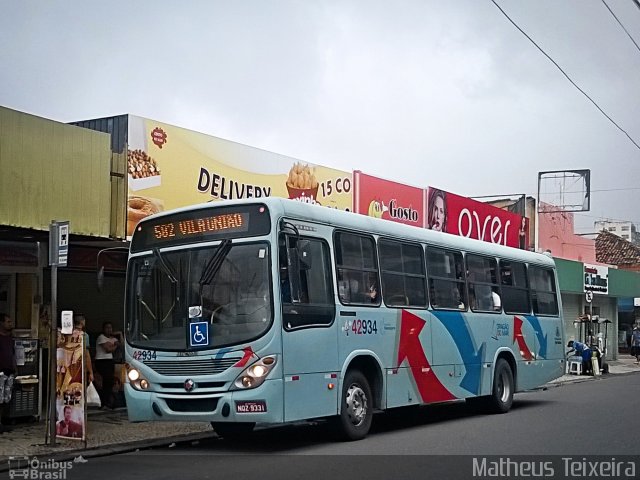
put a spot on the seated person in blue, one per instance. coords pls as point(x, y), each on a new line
point(583, 351)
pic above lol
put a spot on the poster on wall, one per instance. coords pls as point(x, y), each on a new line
point(450, 213)
point(380, 198)
point(70, 404)
point(171, 167)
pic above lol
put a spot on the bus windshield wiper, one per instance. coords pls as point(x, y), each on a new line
point(166, 266)
point(214, 263)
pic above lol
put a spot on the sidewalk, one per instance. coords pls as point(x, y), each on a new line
point(624, 364)
point(110, 432)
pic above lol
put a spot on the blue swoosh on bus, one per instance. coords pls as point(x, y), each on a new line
point(222, 352)
point(457, 327)
point(542, 339)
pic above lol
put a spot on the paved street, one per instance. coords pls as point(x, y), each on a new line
point(582, 419)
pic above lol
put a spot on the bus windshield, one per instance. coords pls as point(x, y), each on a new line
point(226, 285)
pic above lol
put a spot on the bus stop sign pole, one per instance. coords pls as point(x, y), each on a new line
point(58, 251)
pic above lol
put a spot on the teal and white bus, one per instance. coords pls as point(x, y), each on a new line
point(266, 311)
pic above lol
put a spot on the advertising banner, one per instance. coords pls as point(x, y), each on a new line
point(70, 421)
point(596, 279)
point(170, 167)
point(389, 200)
point(450, 213)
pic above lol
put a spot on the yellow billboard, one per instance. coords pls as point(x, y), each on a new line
point(171, 167)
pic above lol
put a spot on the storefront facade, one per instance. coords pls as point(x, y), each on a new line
point(53, 171)
point(620, 284)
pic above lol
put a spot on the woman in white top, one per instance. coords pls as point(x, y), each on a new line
point(106, 344)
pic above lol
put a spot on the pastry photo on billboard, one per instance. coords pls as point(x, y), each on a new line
point(143, 170)
point(139, 207)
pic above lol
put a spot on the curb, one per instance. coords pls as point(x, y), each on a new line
point(118, 448)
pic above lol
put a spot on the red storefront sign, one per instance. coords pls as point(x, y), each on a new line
point(463, 216)
point(389, 200)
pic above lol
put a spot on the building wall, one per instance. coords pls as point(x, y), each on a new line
point(50, 170)
point(626, 230)
point(556, 235)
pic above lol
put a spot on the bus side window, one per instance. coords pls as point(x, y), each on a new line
point(543, 291)
point(315, 303)
point(515, 287)
point(445, 270)
point(482, 278)
point(403, 273)
point(356, 269)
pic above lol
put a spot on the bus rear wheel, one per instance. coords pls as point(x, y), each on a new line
point(233, 431)
point(356, 412)
point(501, 396)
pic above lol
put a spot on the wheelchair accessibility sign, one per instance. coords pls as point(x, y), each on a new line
point(199, 334)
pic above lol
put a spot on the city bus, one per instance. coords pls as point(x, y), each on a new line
point(269, 311)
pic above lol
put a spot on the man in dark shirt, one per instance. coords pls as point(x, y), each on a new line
point(7, 366)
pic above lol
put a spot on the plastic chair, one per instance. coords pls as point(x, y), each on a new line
point(575, 367)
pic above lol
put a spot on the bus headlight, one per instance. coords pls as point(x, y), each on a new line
point(136, 380)
point(255, 375)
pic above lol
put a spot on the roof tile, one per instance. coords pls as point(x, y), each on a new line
point(614, 250)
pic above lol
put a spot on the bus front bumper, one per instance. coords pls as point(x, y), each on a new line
point(260, 405)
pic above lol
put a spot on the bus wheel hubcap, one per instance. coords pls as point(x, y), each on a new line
point(504, 388)
point(356, 405)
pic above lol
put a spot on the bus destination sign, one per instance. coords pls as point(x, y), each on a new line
point(201, 225)
point(234, 222)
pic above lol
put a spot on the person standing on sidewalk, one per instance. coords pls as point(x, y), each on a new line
point(79, 323)
point(7, 366)
point(635, 343)
point(106, 344)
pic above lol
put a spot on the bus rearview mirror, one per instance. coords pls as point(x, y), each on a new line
point(100, 278)
point(303, 248)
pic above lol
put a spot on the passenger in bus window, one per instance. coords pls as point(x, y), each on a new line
point(372, 293)
point(348, 289)
point(497, 303)
point(457, 297)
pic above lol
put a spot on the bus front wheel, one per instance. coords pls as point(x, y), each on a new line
point(233, 431)
point(356, 412)
point(501, 396)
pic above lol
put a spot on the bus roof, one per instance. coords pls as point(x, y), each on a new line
point(304, 211)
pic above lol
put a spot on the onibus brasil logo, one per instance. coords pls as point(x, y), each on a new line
point(33, 468)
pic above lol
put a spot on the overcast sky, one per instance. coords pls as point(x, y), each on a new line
point(444, 92)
